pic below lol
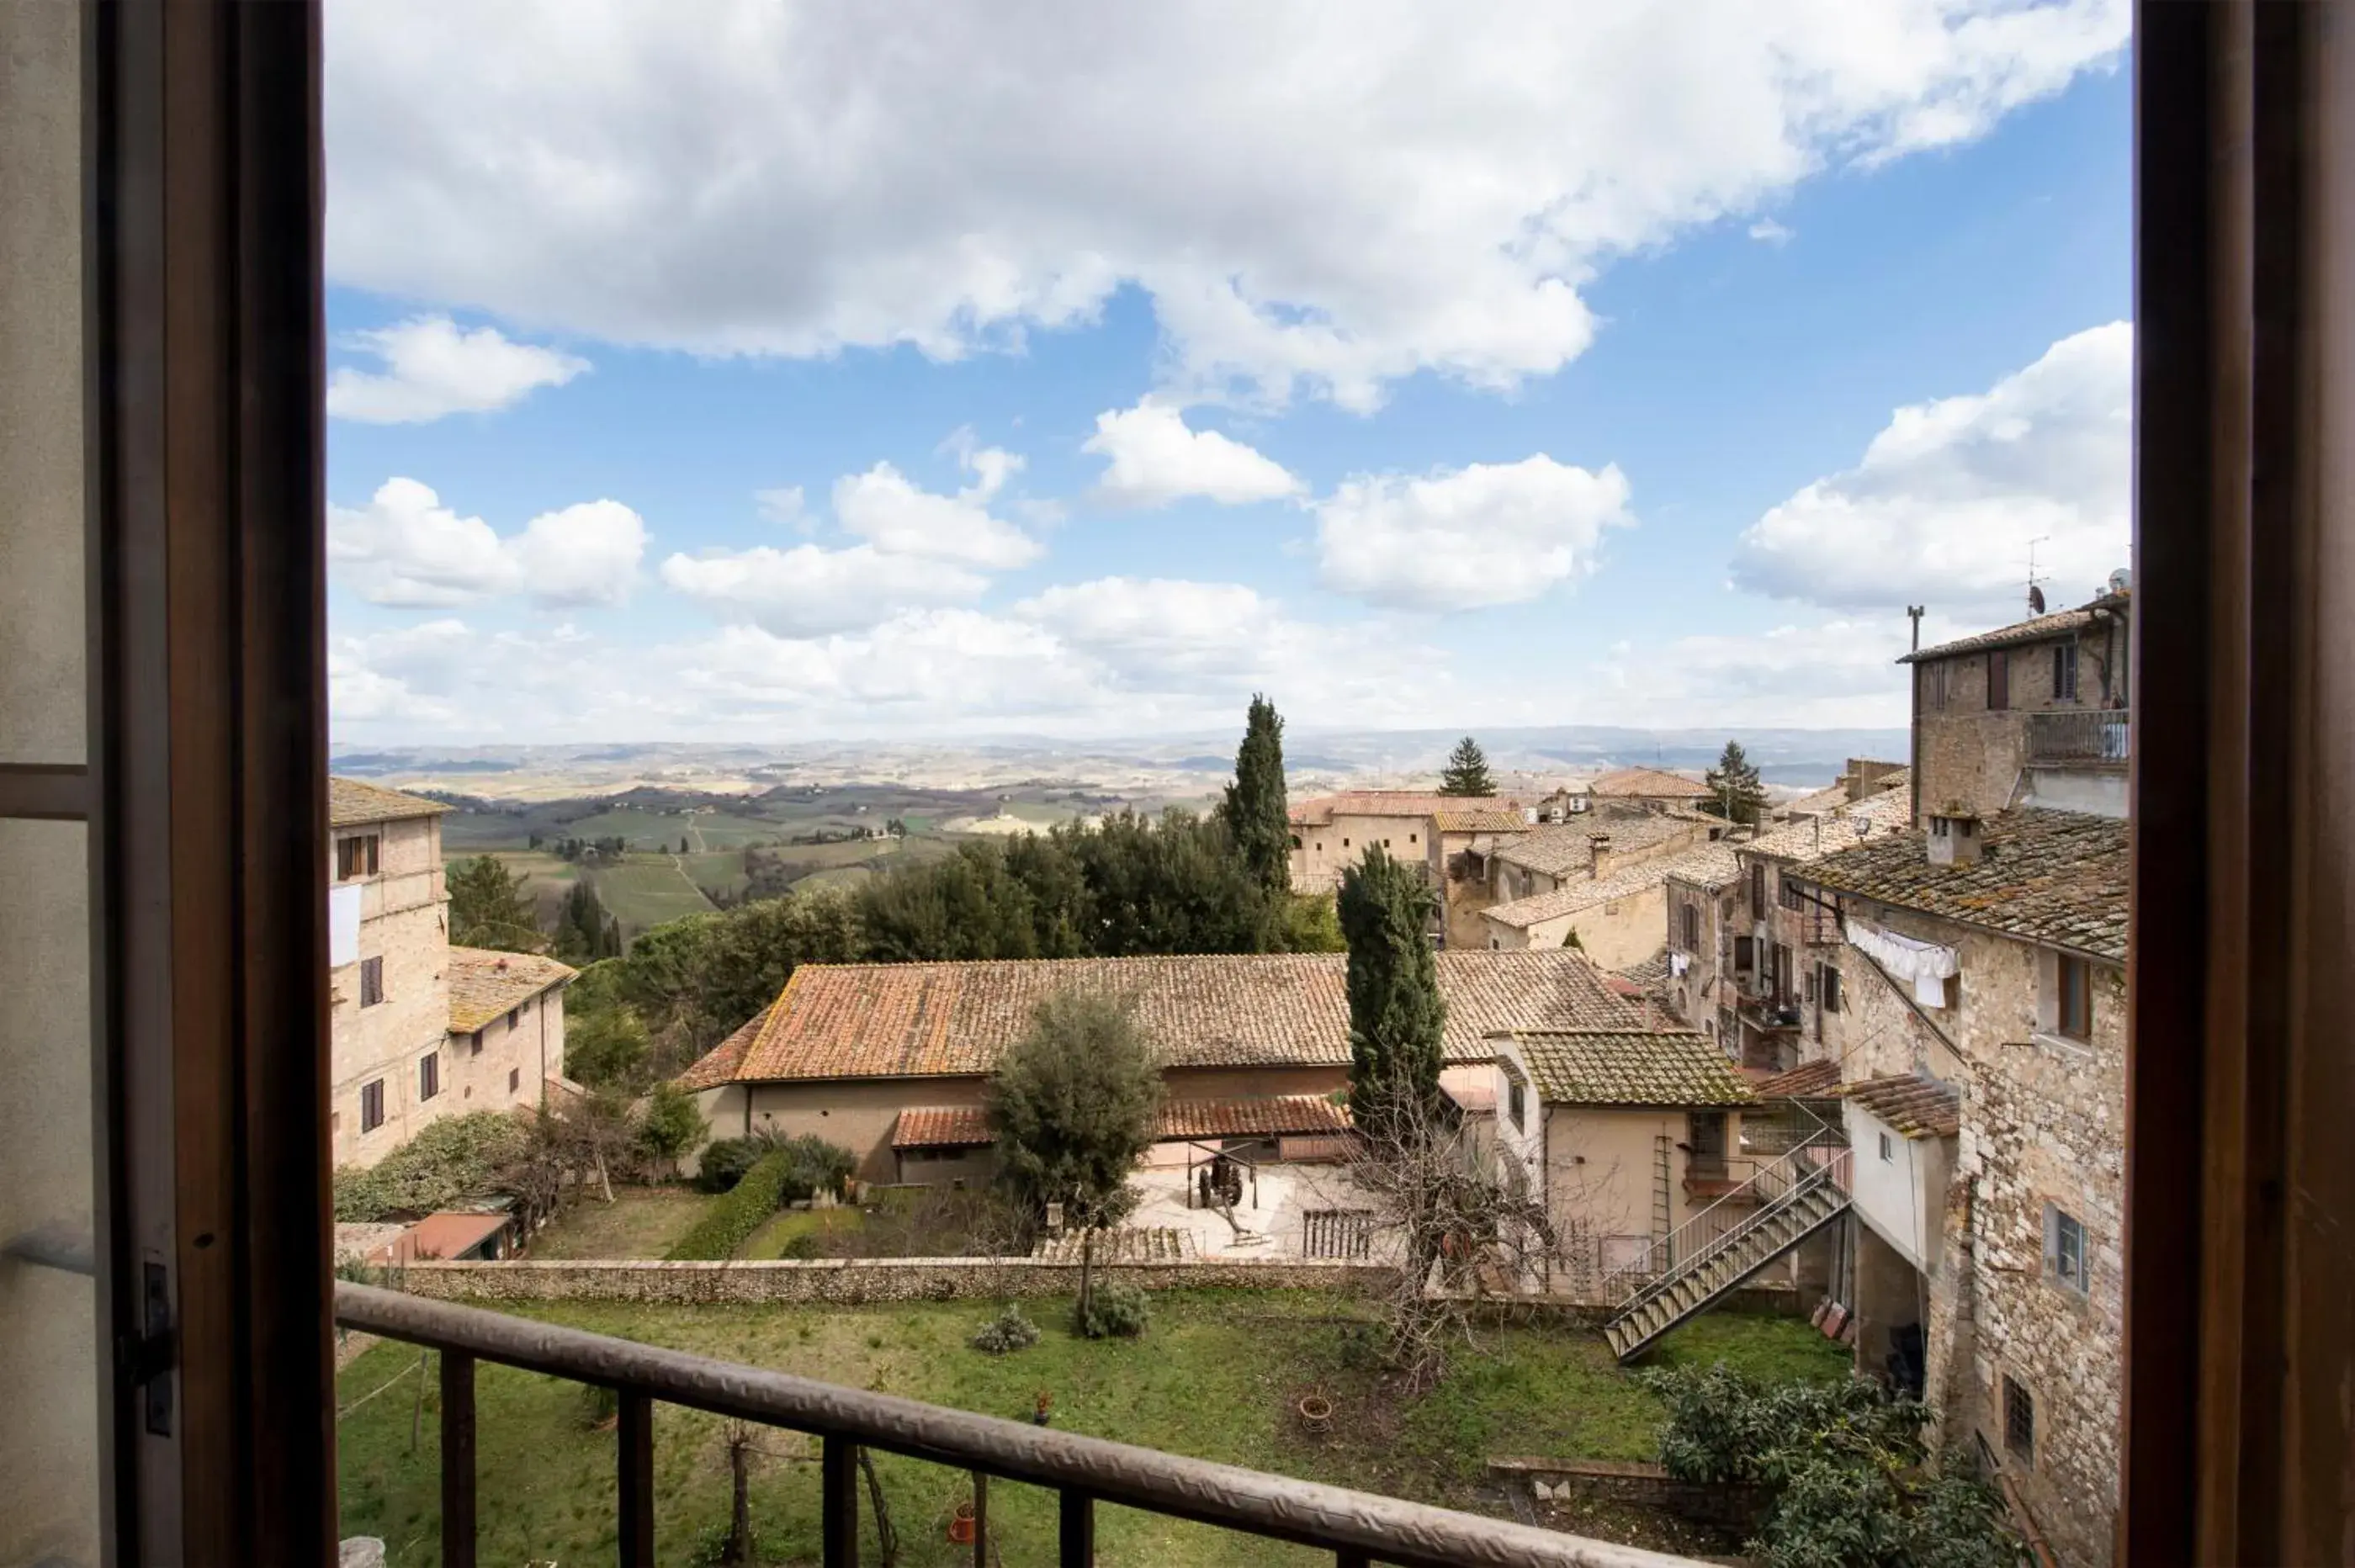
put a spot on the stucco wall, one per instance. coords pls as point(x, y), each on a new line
point(1323, 852)
point(1619, 935)
point(848, 1282)
point(48, 1321)
point(502, 1066)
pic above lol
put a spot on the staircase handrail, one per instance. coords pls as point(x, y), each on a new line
point(1820, 1176)
point(1773, 1183)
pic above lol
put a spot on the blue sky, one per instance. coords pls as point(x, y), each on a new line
point(1660, 416)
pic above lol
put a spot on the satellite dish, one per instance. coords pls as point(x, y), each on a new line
point(2121, 581)
point(2035, 599)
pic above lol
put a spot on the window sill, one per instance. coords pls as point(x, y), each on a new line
point(2061, 1043)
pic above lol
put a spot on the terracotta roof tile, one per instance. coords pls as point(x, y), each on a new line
point(1321, 809)
point(1916, 1107)
point(484, 984)
point(915, 1021)
point(1479, 820)
point(2035, 629)
point(351, 803)
point(1707, 865)
point(967, 1126)
point(1814, 837)
point(1809, 1080)
point(1649, 784)
point(1630, 1067)
point(2054, 877)
point(718, 1065)
point(1559, 849)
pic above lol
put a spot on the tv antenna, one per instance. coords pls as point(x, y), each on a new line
point(1914, 612)
point(2035, 582)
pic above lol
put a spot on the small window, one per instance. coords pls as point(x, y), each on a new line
point(2074, 1013)
point(1999, 680)
point(1517, 1102)
point(475, 1043)
point(371, 981)
point(428, 1075)
point(1411, 839)
point(1344, 843)
point(1786, 893)
point(2064, 672)
point(514, 1014)
point(1745, 949)
point(355, 857)
point(1888, 1147)
point(1831, 990)
point(515, 1079)
point(2018, 1422)
point(1692, 928)
point(2064, 1249)
point(1758, 892)
point(372, 1105)
point(1386, 843)
point(1296, 840)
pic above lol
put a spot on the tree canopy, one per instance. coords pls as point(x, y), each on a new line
point(488, 908)
point(1740, 796)
point(1256, 812)
point(1467, 770)
point(1396, 1014)
point(1072, 1106)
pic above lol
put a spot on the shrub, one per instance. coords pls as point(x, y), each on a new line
point(812, 1166)
point(1843, 1461)
point(1113, 1311)
point(1008, 1331)
point(730, 1219)
point(449, 1161)
point(725, 1161)
point(670, 1125)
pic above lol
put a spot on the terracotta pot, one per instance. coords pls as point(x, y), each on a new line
point(961, 1525)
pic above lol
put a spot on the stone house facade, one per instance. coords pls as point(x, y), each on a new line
point(1625, 1135)
point(1992, 1227)
point(406, 1047)
point(1618, 917)
point(2032, 713)
point(1333, 831)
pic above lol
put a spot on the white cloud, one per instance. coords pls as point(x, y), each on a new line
point(433, 368)
point(1323, 200)
point(809, 591)
point(1942, 507)
point(1839, 673)
point(406, 548)
point(1767, 231)
point(886, 508)
point(780, 506)
point(1486, 534)
point(1156, 460)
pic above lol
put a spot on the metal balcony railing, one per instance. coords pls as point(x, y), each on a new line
point(2079, 735)
point(1819, 1157)
point(1358, 1528)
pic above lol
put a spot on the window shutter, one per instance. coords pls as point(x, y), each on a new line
point(2052, 1242)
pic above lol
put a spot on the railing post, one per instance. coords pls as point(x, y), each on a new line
point(980, 1520)
point(457, 1459)
point(839, 1501)
point(1076, 1531)
point(637, 1479)
point(1351, 1557)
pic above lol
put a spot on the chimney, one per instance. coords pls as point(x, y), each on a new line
point(1598, 850)
point(1956, 837)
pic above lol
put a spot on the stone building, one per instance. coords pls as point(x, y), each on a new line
point(1464, 842)
point(865, 1055)
point(1333, 831)
point(1983, 1067)
point(419, 1030)
point(1652, 787)
point(1618, 917)
point(2032, 713)
point(1626, 1133)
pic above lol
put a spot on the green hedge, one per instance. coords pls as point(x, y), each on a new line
point(730, 1219)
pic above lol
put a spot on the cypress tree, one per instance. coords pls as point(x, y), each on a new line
point(1256, 815)
point(1396, 1014)
point(1467, 770)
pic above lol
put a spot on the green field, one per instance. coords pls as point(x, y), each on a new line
point(640, 1222)
point(1216, 1376)
point(646, 891)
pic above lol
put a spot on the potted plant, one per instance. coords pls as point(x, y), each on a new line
point(961, 1525)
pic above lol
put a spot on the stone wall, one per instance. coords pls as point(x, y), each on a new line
point(404, 923)
point(852, 1282)
point(1736, 1509)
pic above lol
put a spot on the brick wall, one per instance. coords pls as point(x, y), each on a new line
point(850, 1281)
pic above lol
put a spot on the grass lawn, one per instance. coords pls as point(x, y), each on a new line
point(1216, 1376)
point(773, 1238)
point(640, 1222)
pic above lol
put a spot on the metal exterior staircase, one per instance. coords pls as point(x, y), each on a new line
point(1730, 1242)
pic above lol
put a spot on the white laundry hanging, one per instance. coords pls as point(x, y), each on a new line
point(1925, 963)
point(1677, 964)
point(343, 924)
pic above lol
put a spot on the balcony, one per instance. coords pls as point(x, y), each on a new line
point(1357, 1528)
point(2079, 735)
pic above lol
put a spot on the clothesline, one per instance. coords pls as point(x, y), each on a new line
point(1925, 963)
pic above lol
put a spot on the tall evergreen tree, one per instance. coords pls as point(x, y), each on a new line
point(488, 908)
point(1741, 795)
point(584, 932)
point(1396, 1014)
point(1257, 817)
point(1467, 770)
